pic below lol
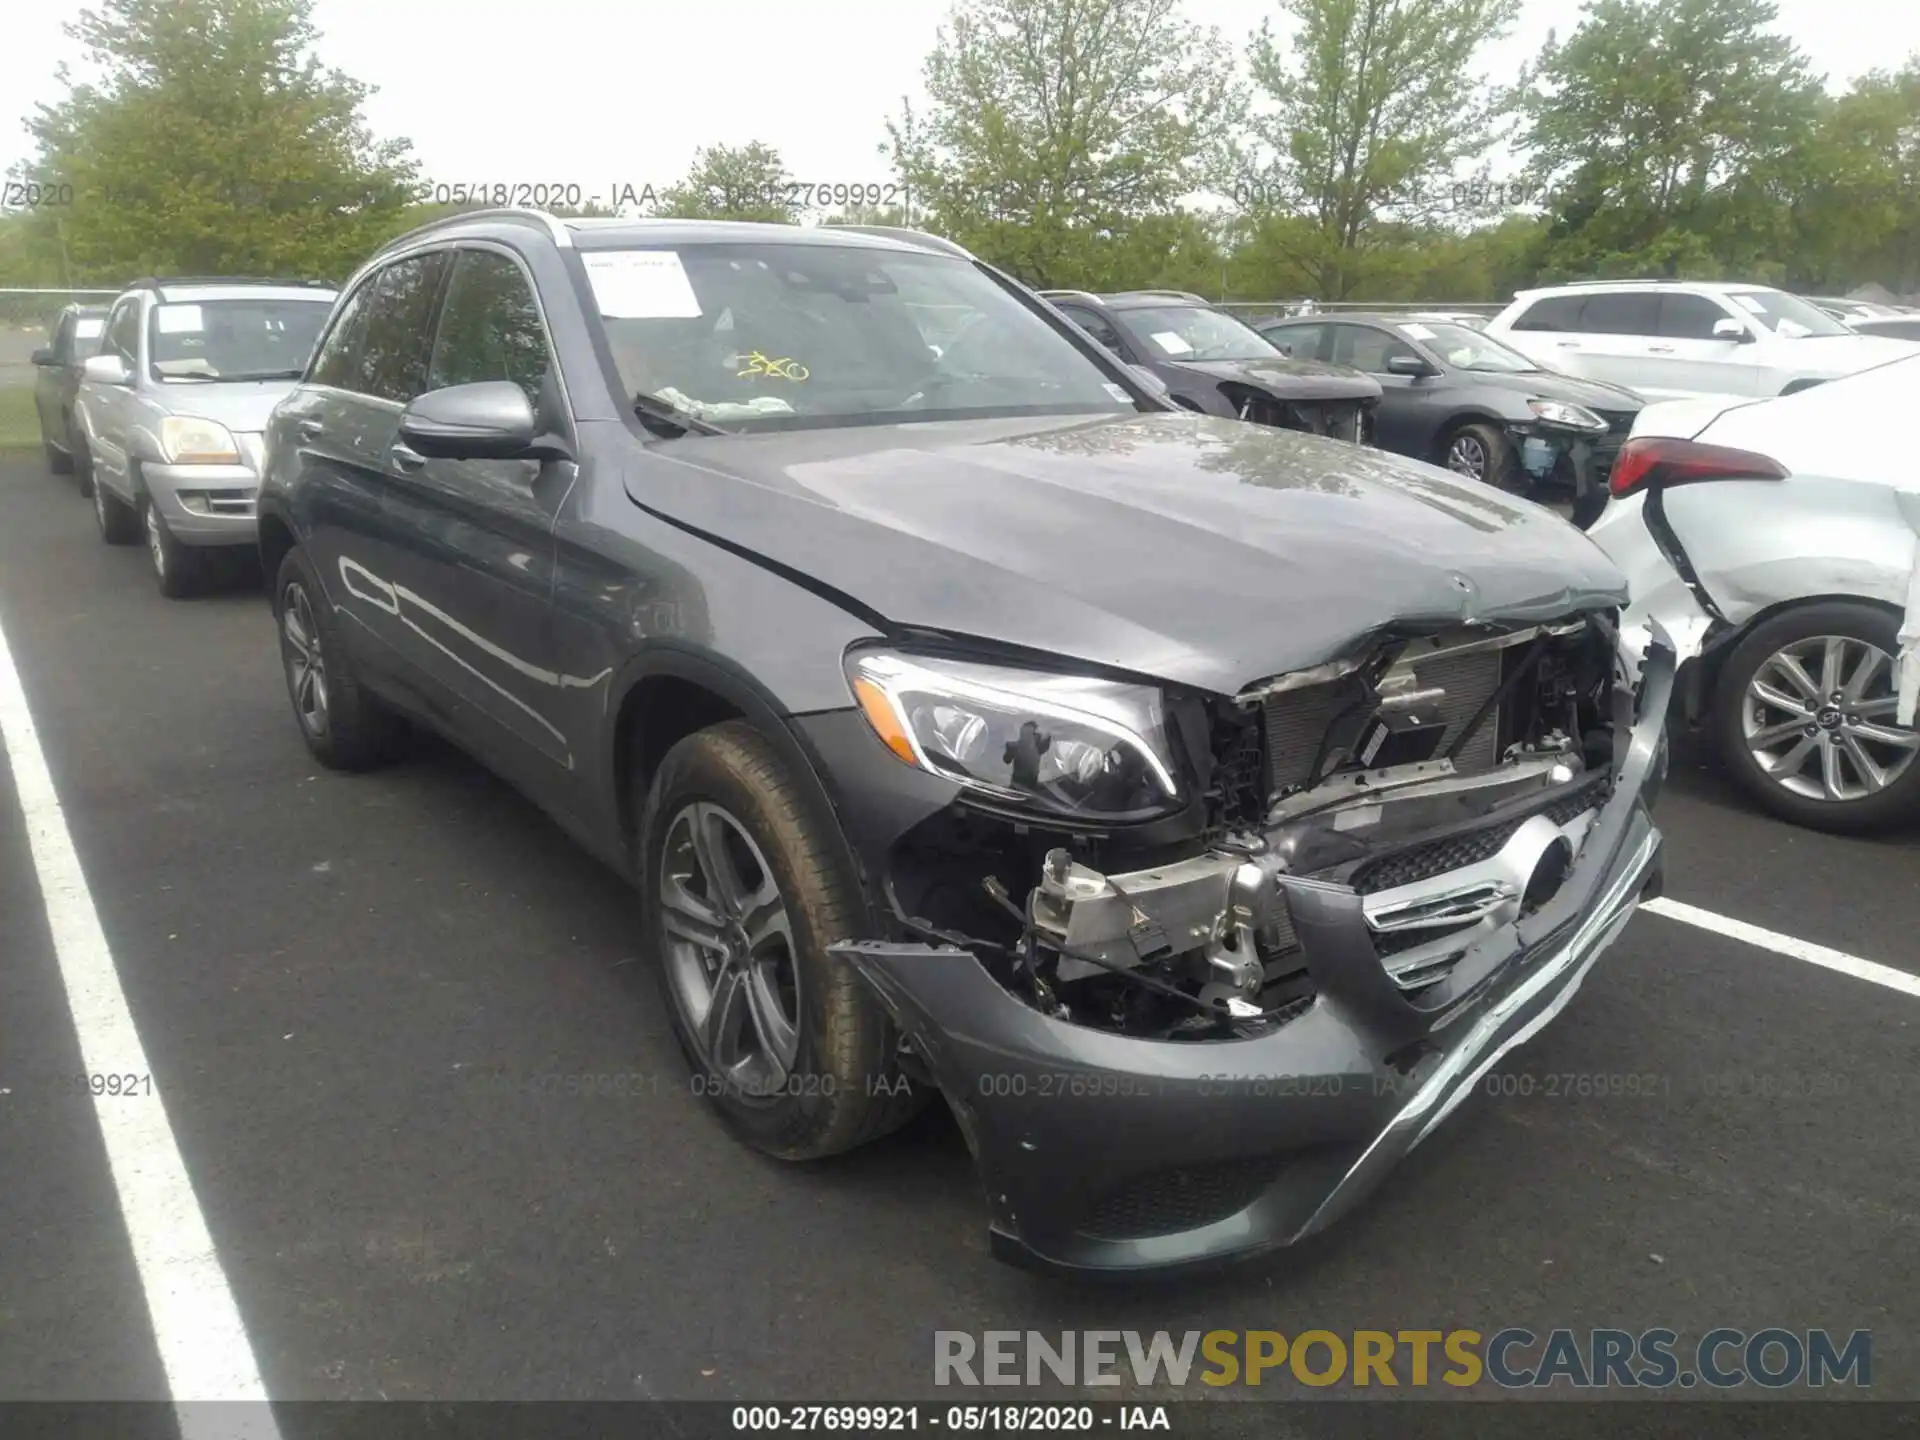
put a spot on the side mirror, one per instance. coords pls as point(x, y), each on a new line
point(1409, 365)
point(489, 420)
point(1152, 381)
point(1731, 329)
point(44, 356)
point(107, 370)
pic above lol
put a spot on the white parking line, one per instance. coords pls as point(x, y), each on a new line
point(196, 1325)
point(1773, 940)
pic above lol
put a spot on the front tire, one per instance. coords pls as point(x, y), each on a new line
point(344, 727)
point(744, 890)
point(178, 570)
point(1804, 715)
point(1481, 452)
point(117, 523)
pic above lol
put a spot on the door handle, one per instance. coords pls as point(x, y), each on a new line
point(310, 429)
point(1660, 349)
point(405, 456)
point(1566, 344)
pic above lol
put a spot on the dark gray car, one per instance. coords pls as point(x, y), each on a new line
point(56, 378)
point(1463, 399)
point(1199, 808)
point(1218, 364)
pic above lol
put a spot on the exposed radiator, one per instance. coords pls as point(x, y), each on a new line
point(1297, 720)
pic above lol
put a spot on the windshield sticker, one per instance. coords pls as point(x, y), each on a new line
point(1173, 344)
point(1750, 303)
point(1792, 329)
point(642, 285)
point(178, 319)
point(1418, 332)
point(754, 363)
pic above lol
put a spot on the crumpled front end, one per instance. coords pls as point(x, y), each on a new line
point(1175, 1049)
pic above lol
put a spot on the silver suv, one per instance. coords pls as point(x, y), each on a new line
point(169, 414)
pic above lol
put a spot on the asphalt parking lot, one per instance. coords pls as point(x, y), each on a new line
point(349, 988)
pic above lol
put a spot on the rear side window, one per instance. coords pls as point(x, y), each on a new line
point(337, 361)
point(1689, 317)
point(490, 327)
point(1894, 329)
point(1553, 312)
point(393, 347)
point(1630, 312)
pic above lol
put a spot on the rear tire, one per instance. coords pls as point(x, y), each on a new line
point(807, 1067)
point(1817, 748)
point(344, 727)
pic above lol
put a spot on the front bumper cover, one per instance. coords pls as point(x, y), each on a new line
point(1097, 1150)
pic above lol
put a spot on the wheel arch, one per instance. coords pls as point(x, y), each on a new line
point(1713, 660)
point(1457, 421)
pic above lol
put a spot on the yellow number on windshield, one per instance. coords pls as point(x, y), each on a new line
point(781, 369)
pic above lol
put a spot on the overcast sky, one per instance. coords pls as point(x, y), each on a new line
point(604, 92)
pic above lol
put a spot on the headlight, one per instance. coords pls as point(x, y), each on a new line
point(188, 440)
point(1559, 412)
point(1067, 743)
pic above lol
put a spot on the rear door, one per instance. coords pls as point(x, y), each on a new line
point(472, 569)
point(109, 408)
point(332, 437)
point(1617, 331)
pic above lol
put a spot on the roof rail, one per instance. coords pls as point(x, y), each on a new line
point(556, 231)
point(161, 282)
point(910, 237)
point(1068, 295)
point(1166, 294)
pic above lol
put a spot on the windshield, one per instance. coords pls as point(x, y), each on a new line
point(758, 337)
point(1191, 332)
point(1788, 316)
point(1466, 349)
point(234, 339)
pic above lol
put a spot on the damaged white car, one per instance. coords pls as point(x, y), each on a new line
point(1778, 542)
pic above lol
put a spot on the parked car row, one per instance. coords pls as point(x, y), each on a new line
point(979, 705)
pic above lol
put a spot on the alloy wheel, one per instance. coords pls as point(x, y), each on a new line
point(1818, 719)
point(156, 542)
point(730, 950)
point(306, 663)
point(1467, 456)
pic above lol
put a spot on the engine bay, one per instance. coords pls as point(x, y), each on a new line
point(1448, 779)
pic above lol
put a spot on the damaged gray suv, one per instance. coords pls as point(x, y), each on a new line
point(1199, 808)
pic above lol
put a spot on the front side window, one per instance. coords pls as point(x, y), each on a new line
point(1362, 347)
point(123, 331)
point(237, 339)
point(489, 327)
point(1787, 316)
point(1094, 326)
point(1465, 348)
point(1299, 342)
point(781, 336)
point(1689, 317)
point(1191, 332)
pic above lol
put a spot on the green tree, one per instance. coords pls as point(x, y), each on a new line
point(1663, 130)
point(727, 182)
point(1370, 109)
point(1850, 208)
point(1056, 126)
point(213, 142)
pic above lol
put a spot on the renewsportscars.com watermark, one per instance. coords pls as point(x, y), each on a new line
point(1514, 1358)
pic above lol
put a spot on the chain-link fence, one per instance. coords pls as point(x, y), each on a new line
point(26, 317)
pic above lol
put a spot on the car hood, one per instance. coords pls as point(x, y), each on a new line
point(1844, 354)
point(1551, 385)
point(1287, 379)
point(241, 406)
point(1199, 550)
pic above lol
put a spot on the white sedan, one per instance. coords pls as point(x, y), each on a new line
point(1778, 542)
